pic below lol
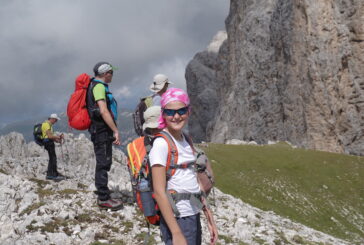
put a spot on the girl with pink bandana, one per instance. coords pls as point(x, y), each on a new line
point(186, 228)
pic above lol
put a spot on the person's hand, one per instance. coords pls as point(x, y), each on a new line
point(117, 138)
point(211, 225)
point(213, 231)
point(61, 138)
point(179, 239)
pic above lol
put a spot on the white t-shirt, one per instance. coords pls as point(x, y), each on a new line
point(184, 180)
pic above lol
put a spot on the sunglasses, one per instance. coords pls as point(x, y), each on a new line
point(110, 72)
point(180, 111)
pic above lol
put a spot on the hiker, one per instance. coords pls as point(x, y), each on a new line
point(151, 117)
point(48, 139)
point(158, 87)
point(102, 109)
point(180, 221)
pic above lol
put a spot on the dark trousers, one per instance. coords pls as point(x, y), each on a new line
point(52, 163)
point(190, 226)
point(103, 153)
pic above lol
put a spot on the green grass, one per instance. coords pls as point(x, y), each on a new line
point(42, 193)
point(113, 242)
point(3, 171)
point(81, 186)
point(143, 238)
point(226, 239)
point(52, 226)
point(127, 225)
point(39, 182)
point(322, 190)
point(31, 208)
point(85, 218)
point(67, 193)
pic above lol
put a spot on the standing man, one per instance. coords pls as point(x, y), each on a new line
point(102, 109)
point(159, 87)
point(48, 141)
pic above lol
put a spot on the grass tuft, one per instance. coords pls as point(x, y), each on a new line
point(39, 182)
point(3, 171)
point(32, 207)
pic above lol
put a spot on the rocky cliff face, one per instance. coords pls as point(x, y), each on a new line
point(36, 211)
point(288, 70)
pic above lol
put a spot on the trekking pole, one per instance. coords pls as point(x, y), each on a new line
point(147, 235)
point(213, 198)
point(64, 162)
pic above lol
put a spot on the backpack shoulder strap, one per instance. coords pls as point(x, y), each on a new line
point(172, 157)
point(94, 82)
point(190, 142)
point(90, 93)
point(147, 143)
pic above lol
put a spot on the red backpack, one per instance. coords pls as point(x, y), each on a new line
point(78, 117)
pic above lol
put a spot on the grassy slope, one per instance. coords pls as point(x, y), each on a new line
point(322, 190)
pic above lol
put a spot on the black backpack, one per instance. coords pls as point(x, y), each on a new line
point(138, 117)
point(37, 133)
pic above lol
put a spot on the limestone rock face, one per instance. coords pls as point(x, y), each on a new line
point(203, 87)
point(288, 71)
point(13, 145)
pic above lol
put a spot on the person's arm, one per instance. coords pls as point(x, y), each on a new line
point(159, 188)
point(105, 114)
point(210, 222)
point(51, 136)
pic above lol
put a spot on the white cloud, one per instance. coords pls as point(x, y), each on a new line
point(174, 69)
point(44, 45)
point(122, 92)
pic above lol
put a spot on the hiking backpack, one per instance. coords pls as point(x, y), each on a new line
point(138, 117)
point(78, 117)
point(37, 133)
point(141, 176)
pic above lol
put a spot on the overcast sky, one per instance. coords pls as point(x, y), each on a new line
point(45, 44)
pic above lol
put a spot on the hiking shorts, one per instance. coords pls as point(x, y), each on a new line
point(190, 226)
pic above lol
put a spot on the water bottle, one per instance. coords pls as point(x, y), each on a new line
point(146, 197)
point(143, 185)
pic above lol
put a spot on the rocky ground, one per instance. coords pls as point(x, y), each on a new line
point(36, 211)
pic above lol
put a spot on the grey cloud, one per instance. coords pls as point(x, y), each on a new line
point(44, 45)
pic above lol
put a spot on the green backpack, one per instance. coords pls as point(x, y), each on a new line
point(37, 133)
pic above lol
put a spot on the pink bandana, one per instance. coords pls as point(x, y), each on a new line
point(172, 94)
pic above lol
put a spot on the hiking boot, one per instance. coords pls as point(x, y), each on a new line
point(111, 204)
point(55, 178)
